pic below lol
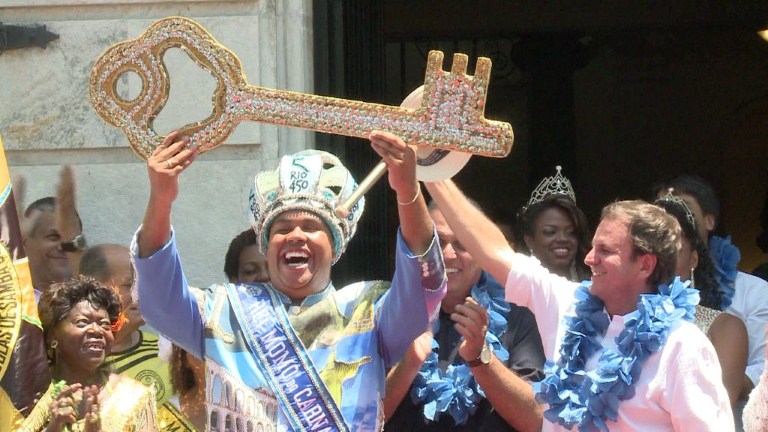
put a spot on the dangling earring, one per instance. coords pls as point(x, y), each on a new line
point(693, 282)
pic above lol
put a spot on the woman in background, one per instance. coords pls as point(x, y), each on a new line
point(243, 262)
point(79, 317)
point(554, 229)
point(727, 332)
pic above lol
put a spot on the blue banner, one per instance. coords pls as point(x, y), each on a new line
point(284, 361)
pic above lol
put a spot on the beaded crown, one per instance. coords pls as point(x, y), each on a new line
point(557, 184)
point(676, 200)
point(310, 180)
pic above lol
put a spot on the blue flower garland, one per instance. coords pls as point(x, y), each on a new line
point(456, 390)
point(588, 399)
point(726, 256)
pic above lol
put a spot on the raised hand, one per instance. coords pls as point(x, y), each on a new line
point(68, 221)
point(167, 161)
point(401, 164)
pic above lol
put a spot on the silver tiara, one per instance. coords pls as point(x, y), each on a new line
point(552, 186)
point(671, 197)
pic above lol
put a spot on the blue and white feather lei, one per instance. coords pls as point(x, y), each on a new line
point(589, 399)
point(455, 391)
point(726, 257)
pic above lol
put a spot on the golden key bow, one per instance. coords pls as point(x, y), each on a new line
point(450, 116)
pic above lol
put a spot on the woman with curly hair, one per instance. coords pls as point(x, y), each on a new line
point(727, 332)
point(79, 318)
point(555, 230)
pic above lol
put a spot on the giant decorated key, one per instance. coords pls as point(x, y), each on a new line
point(450, 117)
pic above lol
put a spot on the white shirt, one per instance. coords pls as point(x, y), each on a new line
point(750, 303)
point(680, 387)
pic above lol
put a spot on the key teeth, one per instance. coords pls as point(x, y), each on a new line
point(483, 70)
point(459, 66)
point(434, 62)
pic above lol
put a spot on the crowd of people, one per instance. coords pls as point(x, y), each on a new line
point(645, 324)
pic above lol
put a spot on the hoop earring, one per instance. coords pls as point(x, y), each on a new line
point(51, 353)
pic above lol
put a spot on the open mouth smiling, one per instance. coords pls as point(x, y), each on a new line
point(94, 346)
point(296, 258)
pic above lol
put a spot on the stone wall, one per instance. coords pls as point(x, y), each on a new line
point(46, 119)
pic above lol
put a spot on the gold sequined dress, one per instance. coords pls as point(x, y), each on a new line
point(126, 406)
point(705, 317)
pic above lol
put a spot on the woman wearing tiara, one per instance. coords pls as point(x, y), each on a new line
point(727, 332)
point(554, 229)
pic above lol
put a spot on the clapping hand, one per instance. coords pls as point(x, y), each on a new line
point(471, 321)
point(75, 402)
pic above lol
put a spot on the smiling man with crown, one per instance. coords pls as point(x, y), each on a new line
point(294, 354)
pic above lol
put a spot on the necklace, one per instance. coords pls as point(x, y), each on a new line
point(455, 391)
point(588, 399)
point(726, 256)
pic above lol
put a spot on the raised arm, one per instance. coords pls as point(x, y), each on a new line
point(415, 223)
point(168, 160)
point(164, 299)
point(67, 220)
point(419, 281)
point(482, 239)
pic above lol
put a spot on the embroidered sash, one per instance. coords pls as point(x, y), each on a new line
point(284, 361)
point(170, 418)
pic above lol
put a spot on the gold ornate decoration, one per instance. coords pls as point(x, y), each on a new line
point(450, 116)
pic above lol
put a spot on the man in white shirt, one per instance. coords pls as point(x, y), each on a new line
point(621, 367)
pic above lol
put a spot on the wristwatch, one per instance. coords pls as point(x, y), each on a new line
point(484, 358)
point(77, 244)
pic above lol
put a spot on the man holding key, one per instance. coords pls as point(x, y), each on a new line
point(294, 354)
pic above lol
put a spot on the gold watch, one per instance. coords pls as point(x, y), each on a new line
point(484, 358)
